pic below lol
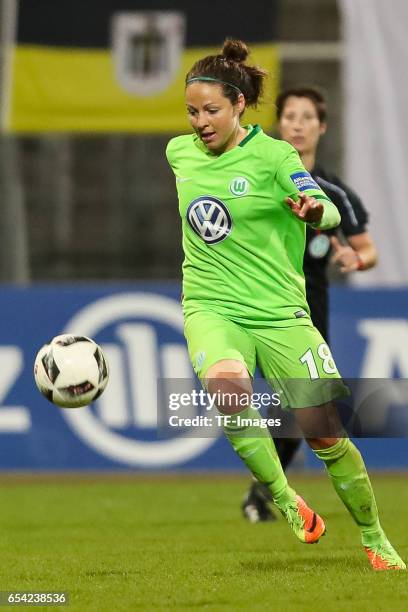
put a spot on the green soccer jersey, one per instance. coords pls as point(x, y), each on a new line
point(243, 246)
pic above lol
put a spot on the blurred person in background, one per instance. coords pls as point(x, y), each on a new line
point(302, 120)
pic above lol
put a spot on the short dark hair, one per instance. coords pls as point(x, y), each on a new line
point(313, 94)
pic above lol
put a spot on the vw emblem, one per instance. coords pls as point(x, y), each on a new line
point(210, 219)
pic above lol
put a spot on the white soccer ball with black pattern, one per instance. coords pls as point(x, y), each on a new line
point(71, 371)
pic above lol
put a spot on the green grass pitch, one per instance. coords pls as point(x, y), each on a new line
point(179, 543)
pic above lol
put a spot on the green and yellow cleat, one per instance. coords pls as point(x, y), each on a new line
point(305, 523)
point(384, 557)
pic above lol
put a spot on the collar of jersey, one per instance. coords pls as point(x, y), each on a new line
point(253, 130)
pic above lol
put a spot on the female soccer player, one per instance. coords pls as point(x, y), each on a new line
point(302, 120)
point(244, 199)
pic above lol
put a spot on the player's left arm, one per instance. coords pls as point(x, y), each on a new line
point(307, 201)
point(321, 213)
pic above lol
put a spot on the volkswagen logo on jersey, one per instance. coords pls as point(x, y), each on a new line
point(210, 219)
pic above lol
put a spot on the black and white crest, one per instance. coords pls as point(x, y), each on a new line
point(147, 48)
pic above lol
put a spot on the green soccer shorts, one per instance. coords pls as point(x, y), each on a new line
point(295, 360)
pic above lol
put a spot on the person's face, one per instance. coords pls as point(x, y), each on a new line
point(299, 124)
point(212, 116)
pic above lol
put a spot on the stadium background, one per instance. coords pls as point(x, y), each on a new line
point(89, 211)
point(92, 500)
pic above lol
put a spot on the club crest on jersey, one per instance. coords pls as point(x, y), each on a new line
point(210, 219)
point(239, 186)
point(303, 181)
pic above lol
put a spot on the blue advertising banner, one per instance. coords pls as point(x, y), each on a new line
point(140, 328)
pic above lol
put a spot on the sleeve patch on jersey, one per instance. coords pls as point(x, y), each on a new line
point(303, 181)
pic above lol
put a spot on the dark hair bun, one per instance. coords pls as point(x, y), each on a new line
point(235, 50)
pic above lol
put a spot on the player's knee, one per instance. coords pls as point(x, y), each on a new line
point(227, 368)
point(230, 383)
point(321, 443)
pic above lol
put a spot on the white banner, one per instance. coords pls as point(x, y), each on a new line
point(376, 95)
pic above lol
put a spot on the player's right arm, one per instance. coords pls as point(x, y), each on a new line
point(171, 153)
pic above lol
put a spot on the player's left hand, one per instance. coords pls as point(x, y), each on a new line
point(345, 257)
point(306, 209)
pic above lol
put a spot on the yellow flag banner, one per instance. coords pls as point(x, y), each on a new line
point(127, 76)
point(77, 90)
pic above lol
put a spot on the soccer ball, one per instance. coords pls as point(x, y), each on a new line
point(71, 371)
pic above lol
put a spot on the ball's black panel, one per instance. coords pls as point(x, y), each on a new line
point(71, 340)
point(48, 395)
point(50, 366)
point(80, 389)
point(98, 394)
point(100, 360)
point(66, 342)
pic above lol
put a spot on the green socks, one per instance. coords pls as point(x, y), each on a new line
point(347, 471)
point(343, 462)
point(257, 450)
